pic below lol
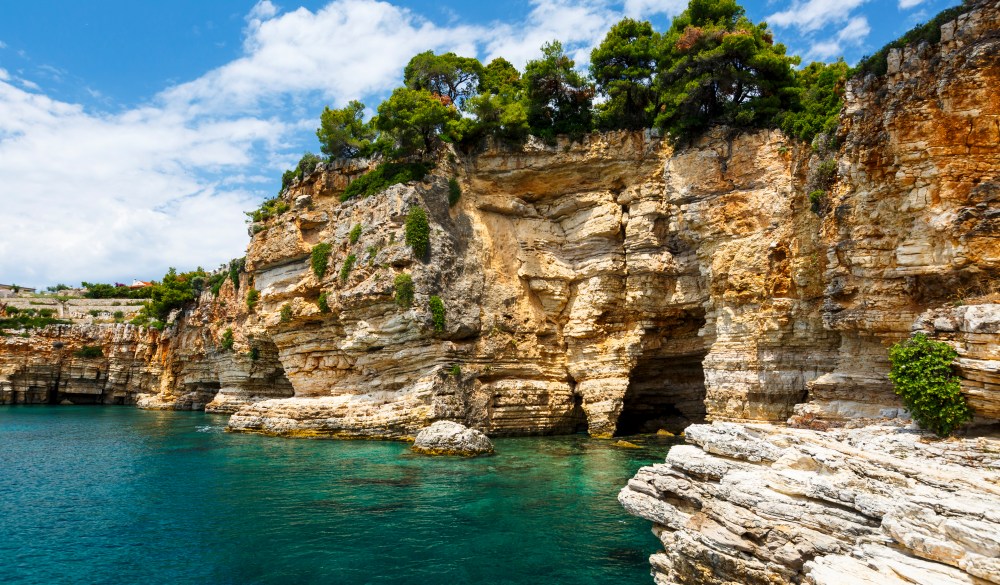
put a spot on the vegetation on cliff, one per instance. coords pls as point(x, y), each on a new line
point(923, 377)
point(930, 32)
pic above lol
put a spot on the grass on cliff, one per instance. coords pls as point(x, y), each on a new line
point(384, 176)
point(28, 319)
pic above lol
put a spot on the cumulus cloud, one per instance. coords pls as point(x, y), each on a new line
point(646, 8)
point(577, 25)
point(346, 50)
point(101, 196)
point(111, 197)
point(814, 14)
point(853, 33)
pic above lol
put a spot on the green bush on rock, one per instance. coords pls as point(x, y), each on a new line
point(320, 258)
point(404, 290)
point(437, 312)
point(418, 230)
point(226, 343)
point(922, 375)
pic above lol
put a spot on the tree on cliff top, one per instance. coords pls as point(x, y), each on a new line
point(414, 118)
point(557, 97)
point(448, 74)
point(343, 133)
point(717, 67)
point(622, 67)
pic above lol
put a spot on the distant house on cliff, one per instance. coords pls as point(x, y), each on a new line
point(136, 284)
point(9, 290)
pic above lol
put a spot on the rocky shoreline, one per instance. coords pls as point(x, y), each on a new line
point(756, 504)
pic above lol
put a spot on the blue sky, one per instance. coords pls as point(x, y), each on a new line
point(134, 134)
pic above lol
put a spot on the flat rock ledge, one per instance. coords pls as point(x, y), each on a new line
point(761, 504)
point(450, 438)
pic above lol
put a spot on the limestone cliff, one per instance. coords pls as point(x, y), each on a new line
point(611, 284)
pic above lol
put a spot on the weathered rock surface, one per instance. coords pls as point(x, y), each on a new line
point(450, 438)
point(610, 284)
point(755, 504)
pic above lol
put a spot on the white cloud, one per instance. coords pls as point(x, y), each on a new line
point(3, 45)
point(853, 33)
point(346, 50)
point(907, 4)
point(814, 15)
point(113, 197)
point(646, 8)
point(578, 25)
point(262, 11)
point(96, 196)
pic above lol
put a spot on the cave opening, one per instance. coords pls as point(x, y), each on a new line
point(667, 385)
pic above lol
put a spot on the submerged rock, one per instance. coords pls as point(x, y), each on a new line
point(451, 438)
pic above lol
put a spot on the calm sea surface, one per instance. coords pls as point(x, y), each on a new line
point(120, 495)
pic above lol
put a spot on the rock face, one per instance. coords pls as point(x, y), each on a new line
point(760, 504)
point(450, 438)
point(612, 284)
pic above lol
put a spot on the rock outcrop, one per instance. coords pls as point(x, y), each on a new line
point(450, 438)
point(762, 504)
point(612, 284)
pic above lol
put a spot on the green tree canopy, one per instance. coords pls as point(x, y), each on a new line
point(500, 76)
point(414, 118)
point(622, 67)
point(717, 67)
point(557, 97)
point(822, 96)
point(446, 75)
point(343, 133)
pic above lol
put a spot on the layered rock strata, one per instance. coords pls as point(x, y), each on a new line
point(755, 504)
point(612, 284)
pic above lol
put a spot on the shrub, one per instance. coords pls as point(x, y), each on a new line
point(215, 282)
point(372, 251)
point(118, 314)
point(89, 352)
point(157, 324)
point(269, 209)
point(355, 234)
point(322, 303)
point(236, 266)
point(922, 375)
point(404, 290)
point(384, 176)
point(94, 312)
point(226, 343)
point(437, 312)
point(286, 313)
point(253, 295)
point(320, 258)
point(254, 353)
point(456, 370)
point(454, 192)
point(826, 172)
point(345, 270)
point(418, 232)
point(816, 200)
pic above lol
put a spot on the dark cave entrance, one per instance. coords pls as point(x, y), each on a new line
point(667, 385)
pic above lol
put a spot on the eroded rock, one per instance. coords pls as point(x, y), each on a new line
point(450, 438)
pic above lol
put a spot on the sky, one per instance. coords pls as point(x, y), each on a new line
point(134, 135)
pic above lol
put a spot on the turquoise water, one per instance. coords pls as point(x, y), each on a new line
point(119, 495)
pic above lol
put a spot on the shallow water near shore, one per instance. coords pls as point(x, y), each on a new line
point(120, 495)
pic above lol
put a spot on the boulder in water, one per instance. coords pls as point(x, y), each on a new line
point(451, 438)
